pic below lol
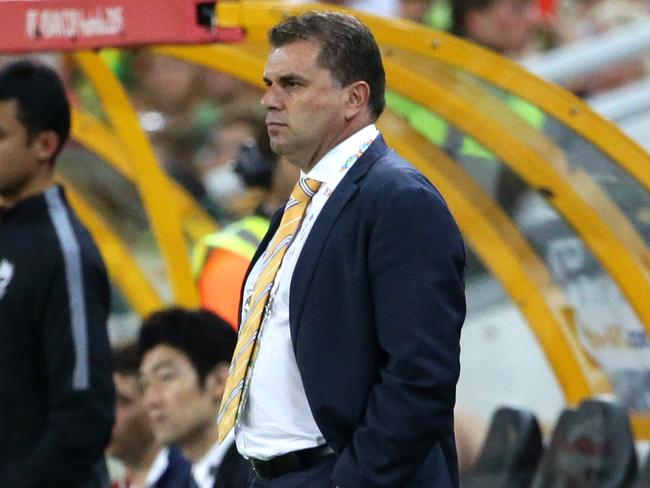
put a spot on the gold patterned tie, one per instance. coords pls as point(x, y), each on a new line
point(247, 343)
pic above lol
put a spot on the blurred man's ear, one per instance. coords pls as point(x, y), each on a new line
point(215, 382)
point(45, 144)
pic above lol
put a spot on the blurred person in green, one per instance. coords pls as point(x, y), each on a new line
point(510, 28)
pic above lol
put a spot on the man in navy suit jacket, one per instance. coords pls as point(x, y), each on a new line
point(353, 383)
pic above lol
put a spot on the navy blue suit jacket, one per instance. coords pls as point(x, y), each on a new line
point(377, 303)
point(178, 471)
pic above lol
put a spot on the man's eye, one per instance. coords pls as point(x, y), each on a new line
point(166, 376)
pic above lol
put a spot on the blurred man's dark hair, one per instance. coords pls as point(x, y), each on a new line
point(347, 49)
point(126, 360)
point(206, 339)
point(41, 101)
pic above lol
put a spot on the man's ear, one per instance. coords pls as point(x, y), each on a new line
point(358, 98)
point(45, 145)
point(215, 382)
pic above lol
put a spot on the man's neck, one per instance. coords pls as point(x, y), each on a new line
point(138, 469)
point(306, 163)
point(34, 187)
point(196, 448)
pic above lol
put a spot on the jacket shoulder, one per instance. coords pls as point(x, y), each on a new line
point(391, 176)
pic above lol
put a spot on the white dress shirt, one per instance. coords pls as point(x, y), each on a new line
point(202, 471)
point(157, 468)
point(275, 417)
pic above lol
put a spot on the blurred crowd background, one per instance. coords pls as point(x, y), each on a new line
point(197, 118)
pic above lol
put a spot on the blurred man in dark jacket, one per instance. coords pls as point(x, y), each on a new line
point(56, 390)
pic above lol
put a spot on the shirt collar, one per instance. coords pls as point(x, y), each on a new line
point(213, 458)
point(158, 467)
point(332, 167)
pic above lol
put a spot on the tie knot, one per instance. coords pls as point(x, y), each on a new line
point(305, 189)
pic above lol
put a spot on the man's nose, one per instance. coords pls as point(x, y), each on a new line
point(270, 99)
point(151, 397)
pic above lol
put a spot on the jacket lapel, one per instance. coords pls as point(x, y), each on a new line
point(313, 248)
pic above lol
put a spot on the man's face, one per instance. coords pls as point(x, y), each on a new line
point(507, 26)
point(131, 432)
point(414, 10)
point(19, 163)
point(179, 408)
point(305, 107)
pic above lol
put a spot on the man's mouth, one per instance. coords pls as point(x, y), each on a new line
point(157, 418)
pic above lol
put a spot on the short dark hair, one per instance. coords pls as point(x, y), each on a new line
point(206, 339)
point(41, 100)
point(347, 49)
point(125, 360)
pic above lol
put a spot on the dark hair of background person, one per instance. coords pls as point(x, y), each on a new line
point(347, 49)
point(40, 97)
point(206, 339)
point(459, 11)
point(126, 361)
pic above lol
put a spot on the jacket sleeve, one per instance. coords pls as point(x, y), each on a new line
point(416, 262)
point(71, 308)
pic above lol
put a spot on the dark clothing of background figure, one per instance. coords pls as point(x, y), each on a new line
point(234, 471)
point(178, 471)
point(56, 386)
point(379, 363)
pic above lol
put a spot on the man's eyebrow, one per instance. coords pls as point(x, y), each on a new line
point(290, 78)
point(168, 363)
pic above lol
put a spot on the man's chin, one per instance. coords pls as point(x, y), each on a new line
point(166, 438)
point(117, 451)
point(278, 146)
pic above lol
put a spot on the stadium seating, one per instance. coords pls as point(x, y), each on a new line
point(510, 453)
point(591, 447)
